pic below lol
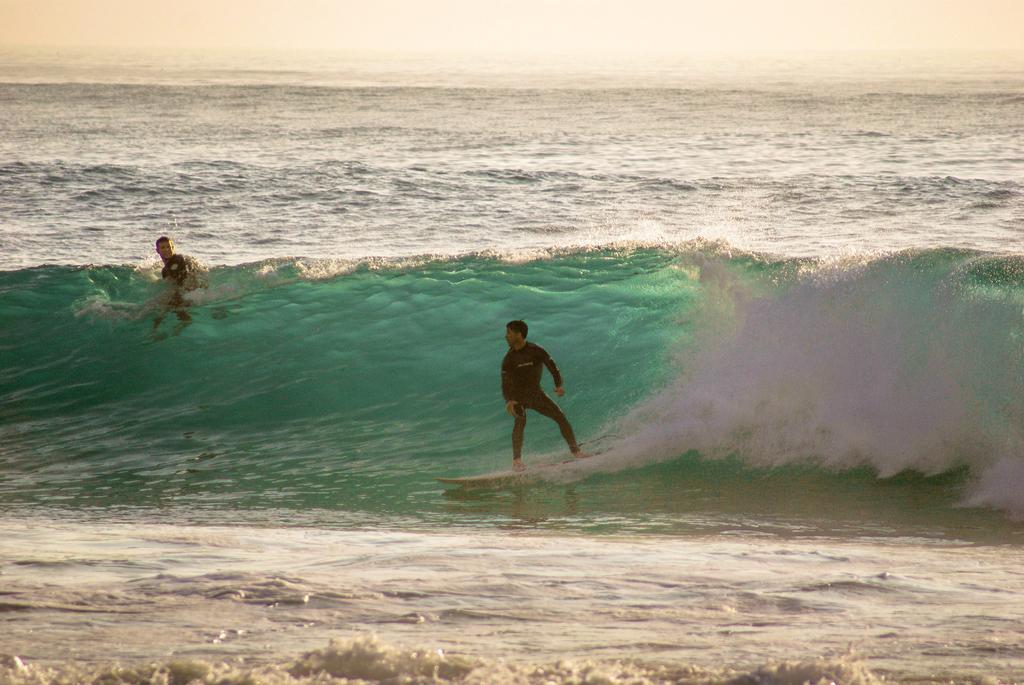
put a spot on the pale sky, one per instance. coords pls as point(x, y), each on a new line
point(529, 26)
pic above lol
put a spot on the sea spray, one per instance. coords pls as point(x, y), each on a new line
point(902, 362)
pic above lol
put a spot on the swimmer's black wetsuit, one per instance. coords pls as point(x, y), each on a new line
point(177, 268)
point(520, 382)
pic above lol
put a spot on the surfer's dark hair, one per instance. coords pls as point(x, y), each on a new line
point(518, 326)
point(162, 239)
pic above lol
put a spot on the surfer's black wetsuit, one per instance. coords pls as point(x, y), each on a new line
point(520, 382)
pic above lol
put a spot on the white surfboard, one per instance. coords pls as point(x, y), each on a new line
point(511, 478)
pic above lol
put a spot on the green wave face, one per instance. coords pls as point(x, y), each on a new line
point(286, 381)
point(305, 383)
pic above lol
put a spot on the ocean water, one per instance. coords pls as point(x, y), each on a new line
point(786, 294)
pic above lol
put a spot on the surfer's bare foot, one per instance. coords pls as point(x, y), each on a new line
point(518, 465)
point(582, 455)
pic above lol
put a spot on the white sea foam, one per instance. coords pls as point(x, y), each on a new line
point(101, 307)
point(477, 606)
point(366, 660)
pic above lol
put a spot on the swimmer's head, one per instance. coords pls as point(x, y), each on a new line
point(165, 247)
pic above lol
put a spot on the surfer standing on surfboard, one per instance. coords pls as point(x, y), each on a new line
point(520, 384)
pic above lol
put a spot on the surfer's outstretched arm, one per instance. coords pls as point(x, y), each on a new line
point(556, 375)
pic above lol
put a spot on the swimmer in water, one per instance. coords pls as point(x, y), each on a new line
point(180, 270)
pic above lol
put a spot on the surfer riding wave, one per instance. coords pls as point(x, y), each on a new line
point(521, 371)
